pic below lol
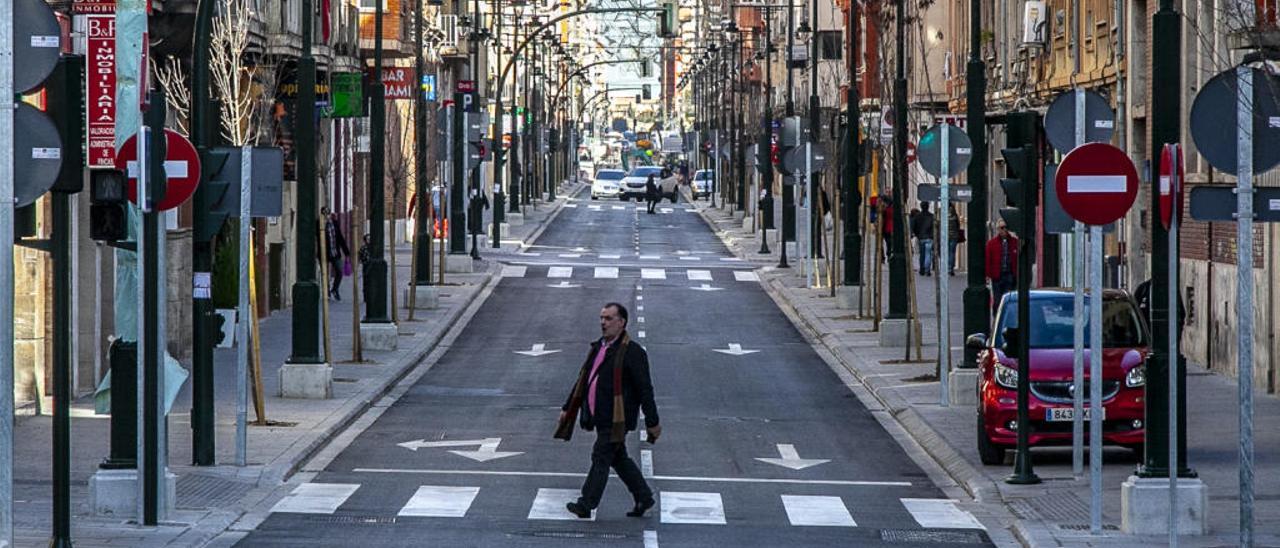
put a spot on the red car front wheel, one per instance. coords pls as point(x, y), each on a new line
point(989, 453)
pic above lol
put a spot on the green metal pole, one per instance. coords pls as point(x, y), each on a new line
point(977, 297)
point(898, 303)
point(422, 227)
point(306, 291)
point(789, 190)
point(375, 305)
point(61, 240)
point(499, 155)
point(202, 411)
point(852, 275)
point(1166, 30)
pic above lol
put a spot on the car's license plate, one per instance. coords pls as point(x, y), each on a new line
point(1062, 414)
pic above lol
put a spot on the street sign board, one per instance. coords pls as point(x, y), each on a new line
point(1218, 203)
point(1214, 127)
point(933, 193)
point(37, 157)
point(181, 169)
point(1096, 184)
point(466, 86)
point(793, 161)
point(100, 87)
point(930, 150)
point(37, 43)
point(1171, 176)
point(1060, 120)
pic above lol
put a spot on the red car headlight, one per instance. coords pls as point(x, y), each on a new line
point(1006, 376)
point(1136, 377)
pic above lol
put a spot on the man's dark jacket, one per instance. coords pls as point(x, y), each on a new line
point(637, 389)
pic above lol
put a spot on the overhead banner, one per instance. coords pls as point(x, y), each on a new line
point(100, 84)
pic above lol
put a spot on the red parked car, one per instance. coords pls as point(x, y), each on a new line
point(1125, 341)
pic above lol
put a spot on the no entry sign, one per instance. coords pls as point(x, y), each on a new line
point(181, 167)
point(1096, 184)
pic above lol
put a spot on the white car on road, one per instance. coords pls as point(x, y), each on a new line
point(607, 183)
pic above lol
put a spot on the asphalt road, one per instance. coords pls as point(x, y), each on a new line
point(466, 458)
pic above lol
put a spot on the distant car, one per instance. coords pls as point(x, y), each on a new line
point(701, 186)
point(633, 183)
point(607, 183)
point(1125, 340)
point(669, 188)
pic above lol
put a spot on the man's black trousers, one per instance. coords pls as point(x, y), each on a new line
point(606, 455)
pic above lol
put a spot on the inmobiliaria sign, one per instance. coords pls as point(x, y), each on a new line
point(101, 87)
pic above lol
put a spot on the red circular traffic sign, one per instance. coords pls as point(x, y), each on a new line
point(1171, 177)
point(181, 165)
point(1096, 184)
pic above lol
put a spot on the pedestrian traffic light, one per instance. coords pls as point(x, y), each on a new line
point(107, 216)
point(1020, 190)
point(667, 21)
point(646, 93)
point(217, 331)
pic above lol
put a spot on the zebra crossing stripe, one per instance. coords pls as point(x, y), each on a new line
point(690, 258)
point(745, 276)
point(696, 508)
point(510, 271)
point(698, 275)
point(940, 514)
point(560, 272)
point(823, 511)
point(439, 501)
point(570, 255)
point(549, 504)
point(316, 498)
point(606, 272)
point(653, 274)
point(611, 256)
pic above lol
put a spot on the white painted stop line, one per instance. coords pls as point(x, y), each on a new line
point(1107, 184)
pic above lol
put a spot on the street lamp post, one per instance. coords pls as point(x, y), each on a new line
point(789, 190)
point(422, 227)
point(898, 260)
point(853, 159)
point(499, 155)
point(375, 311)
point(765, 151)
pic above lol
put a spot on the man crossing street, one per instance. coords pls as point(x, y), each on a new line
point(613, 385)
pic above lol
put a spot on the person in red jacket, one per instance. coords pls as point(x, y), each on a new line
point(1002, 263)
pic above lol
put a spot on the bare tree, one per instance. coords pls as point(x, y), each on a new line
point(173, 75)
point(232, 77)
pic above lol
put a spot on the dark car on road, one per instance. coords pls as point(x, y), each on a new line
point(1125, 340)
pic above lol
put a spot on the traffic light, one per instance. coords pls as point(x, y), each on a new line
point(667, 21)
point(217, 328)
point(1020, 189)
point(108, 220)
point(65, 97)
point(217, 182)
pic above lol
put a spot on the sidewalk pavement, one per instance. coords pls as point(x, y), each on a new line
point(1055, 512)
point(211, 499)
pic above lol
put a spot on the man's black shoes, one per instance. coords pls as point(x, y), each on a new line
point(579, 509)
point(642, 506)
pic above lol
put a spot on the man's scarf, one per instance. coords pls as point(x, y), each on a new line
point(580, 388)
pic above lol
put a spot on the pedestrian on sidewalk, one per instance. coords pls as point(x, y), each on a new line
point(612, 386)
point(336, 251)
point(1002, 263)
point(651, 194)
point(955, 233)
point(922, 225)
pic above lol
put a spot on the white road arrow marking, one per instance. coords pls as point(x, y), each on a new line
point(537, 350)
point(706, 287)
point(563, 285)
point(791, 459)
point(487, 451)
point(734, 349)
